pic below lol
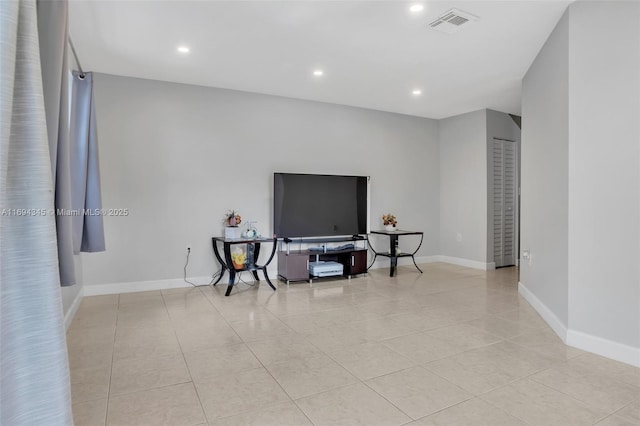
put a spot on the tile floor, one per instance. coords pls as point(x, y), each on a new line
point(451, 346)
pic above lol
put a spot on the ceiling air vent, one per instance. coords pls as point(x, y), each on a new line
point(452, 21)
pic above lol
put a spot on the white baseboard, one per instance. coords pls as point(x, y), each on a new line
point(550, 318)
point(604, 347)
point(71, 313)
point(466, 262)
point(577, 339)
point(135, 286)
point(383, 262)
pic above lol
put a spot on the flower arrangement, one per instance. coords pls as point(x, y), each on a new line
point(232, 218)
point(389, 219)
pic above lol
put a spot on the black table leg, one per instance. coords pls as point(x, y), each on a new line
point(222, 270)
point(266, 277)
point(416, 265)
point(393, 246)
point(232, 279)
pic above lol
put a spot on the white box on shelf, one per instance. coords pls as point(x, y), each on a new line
point(232, 232)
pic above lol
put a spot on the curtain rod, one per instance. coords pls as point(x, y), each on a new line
point(75, 55)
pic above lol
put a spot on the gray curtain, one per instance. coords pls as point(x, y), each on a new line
point(88, 231)
point(34, 374)
point(53, 34)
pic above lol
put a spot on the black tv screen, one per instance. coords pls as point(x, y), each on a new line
point(308, 205)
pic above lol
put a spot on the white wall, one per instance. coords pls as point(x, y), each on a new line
point(604, 170)
point(545, 177)
point(463, 187)
point(179, 156)
point(581, 179)
point(501, 126)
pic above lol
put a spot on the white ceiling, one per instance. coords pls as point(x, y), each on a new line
point(373, 53)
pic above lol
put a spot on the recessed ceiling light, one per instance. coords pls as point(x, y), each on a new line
point(416, 92)
point(318, 72)
point(416, 8)
point(183, 49)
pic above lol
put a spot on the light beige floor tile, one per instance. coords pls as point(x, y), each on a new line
point(631, 412)
point(500, 327)
point(384, 306)
point(206, 338)
point(483, 369)
point(370, 360)
point(89, 390)
point(239, 313)
point(134, 316)
point(208, 364)
point(88, 318)
point(196, 315)
point(474, 412)
point(525, 316)
point(615, 420)
point(380, 329)
point(351, 405)
point(107, 299)
point(464, 336)
point(79, 339)
point(95, 358)
point(282, 348)
point(422, 348)
point(418, 392)
point(90, 383)
point(546, 342)
point(141, 297)
point(591, 363)
point(171, 405)
point(332, 338)
point(262, 329)
point(136, 374)
point(446, 313)
point(594, 390)
point(141, 342)
point(283, 414)
point(239, 392)
point(540, 405)
point(301, 377)
point(90, 413)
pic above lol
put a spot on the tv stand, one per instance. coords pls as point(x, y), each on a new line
point(293, 264)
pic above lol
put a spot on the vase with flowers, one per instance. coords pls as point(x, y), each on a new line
point(389, 221)
point(231, 221)
point(232, 218)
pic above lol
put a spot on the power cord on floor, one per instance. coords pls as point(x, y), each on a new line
point(243, 281)
point(213, 277)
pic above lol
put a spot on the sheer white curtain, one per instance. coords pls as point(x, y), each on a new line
point(34, 374)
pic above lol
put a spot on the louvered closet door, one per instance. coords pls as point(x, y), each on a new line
point(504, 202)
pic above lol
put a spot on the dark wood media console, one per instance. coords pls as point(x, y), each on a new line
point(293, 265)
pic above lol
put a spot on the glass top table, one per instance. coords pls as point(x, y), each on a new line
point(393, 254)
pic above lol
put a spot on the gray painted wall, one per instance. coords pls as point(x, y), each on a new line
point(604, 170)
point(463, 186)
point(581, 176)
point(545, 176)
point(179, 156)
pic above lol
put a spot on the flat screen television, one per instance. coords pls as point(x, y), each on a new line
point(307, 205)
